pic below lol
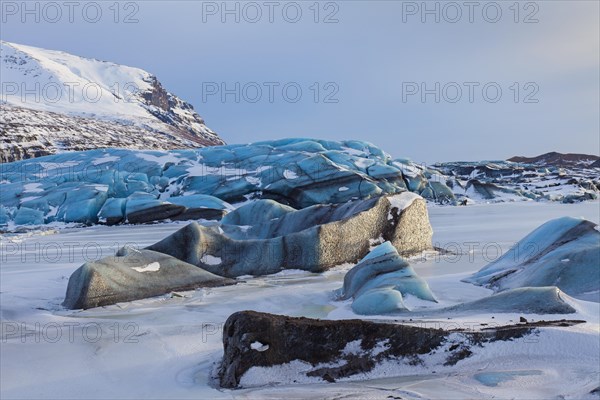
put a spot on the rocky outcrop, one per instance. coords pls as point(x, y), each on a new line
point(134, 275)
point(332, 350)
point(557, 159)
point(313, 239)
point(563, 252)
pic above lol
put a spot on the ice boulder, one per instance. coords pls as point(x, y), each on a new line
point(527, 300)
point(4, 216)
point(563, 252)
point(378, 283)
point(314, 238)
point(134, 275)
point(28, 216)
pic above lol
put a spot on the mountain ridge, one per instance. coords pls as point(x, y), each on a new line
point(53, 101)
point(555, 158)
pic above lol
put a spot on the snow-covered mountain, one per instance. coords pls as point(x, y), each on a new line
point(54, 101)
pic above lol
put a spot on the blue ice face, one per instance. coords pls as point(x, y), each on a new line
point(564, 252)
point(380, 280)
point(100, 185)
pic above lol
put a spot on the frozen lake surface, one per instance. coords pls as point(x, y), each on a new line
point(168, 347)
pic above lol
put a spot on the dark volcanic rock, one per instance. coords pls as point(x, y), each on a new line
point(339, 349)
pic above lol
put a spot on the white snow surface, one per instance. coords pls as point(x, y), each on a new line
point(403, 200)
point(152, 267)
point(169, 346)
point(112, 84)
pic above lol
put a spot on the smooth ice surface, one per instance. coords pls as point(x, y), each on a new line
point(170, 348)
point(492, 379)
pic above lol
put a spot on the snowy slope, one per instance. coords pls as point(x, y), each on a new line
point(102, 98)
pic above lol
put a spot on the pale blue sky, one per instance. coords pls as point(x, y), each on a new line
point(370, 54)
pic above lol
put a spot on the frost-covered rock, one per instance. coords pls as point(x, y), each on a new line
point(313, 239)
point(296, 172)
point(378, 283)
point(563, 252)
point(265, 349)
point(134, 275)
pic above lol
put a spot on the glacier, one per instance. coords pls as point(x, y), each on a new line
point(130, 186)
point(498, 181)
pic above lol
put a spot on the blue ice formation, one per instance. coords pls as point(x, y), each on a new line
point(380, 281)
point(118, 185)
point(563, 252)
point(271, 237)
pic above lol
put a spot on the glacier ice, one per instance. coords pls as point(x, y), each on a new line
point(564, 252)
point(133, 275)
point(510, 181)
point(256, 213)
point(307, 239)
point(528, 300)
point(79, 186)
point(378, 283)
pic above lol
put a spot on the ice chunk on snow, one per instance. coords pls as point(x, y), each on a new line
point(563, 252)
point(380, 280)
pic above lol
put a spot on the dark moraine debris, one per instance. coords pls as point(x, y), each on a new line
point(343, 348)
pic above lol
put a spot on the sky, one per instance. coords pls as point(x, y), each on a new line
point(430, 81)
